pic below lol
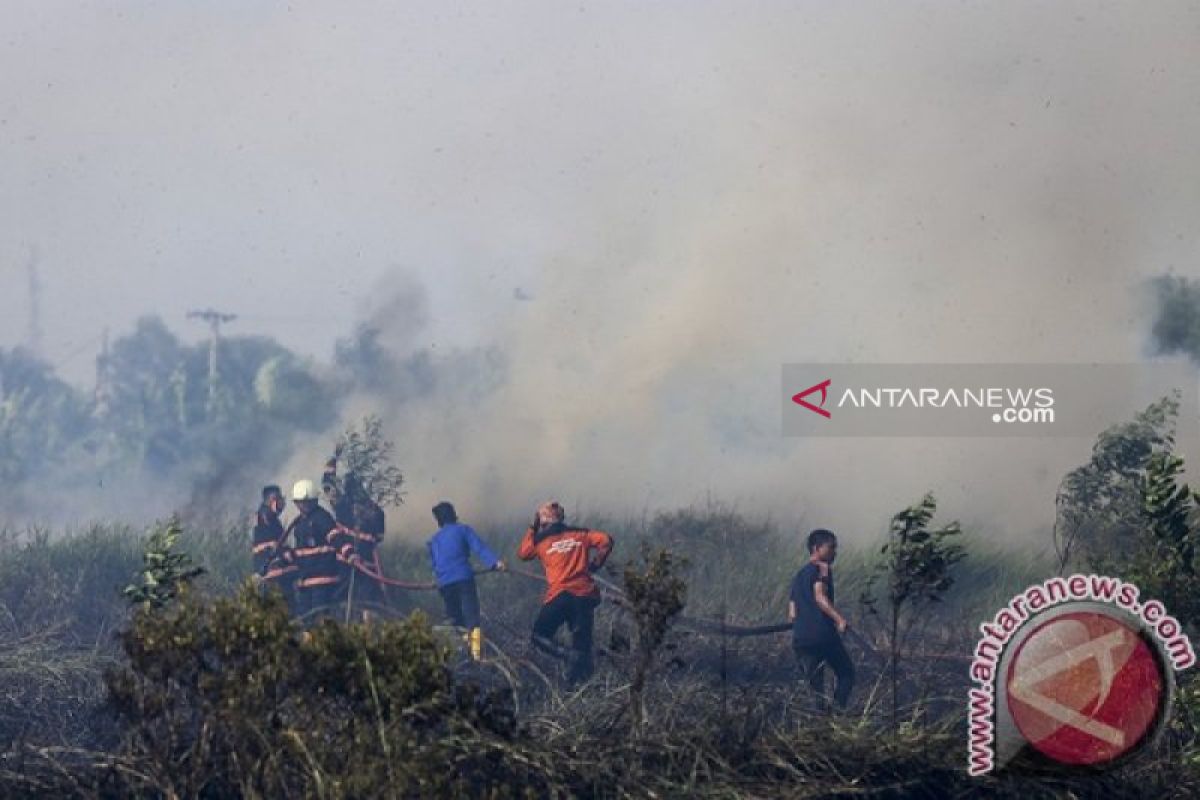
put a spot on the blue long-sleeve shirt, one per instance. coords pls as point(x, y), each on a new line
point(450, 552)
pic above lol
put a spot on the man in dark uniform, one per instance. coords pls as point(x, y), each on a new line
point(367, 531)
point(340, 501)
point(268, 530)
point(817, 624)
point(273, 562)
point(316, 541)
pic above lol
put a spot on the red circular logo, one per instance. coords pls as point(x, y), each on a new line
point(1085, 688)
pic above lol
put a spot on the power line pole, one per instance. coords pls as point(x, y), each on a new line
point(215, 320)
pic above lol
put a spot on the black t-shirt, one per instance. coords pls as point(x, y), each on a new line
point(812, 626)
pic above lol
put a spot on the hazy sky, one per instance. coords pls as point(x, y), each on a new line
point(691, 194)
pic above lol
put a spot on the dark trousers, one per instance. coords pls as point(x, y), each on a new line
point(286, 585)
point(314, 597)
point(462, 603)
point(365, 589)
point(578, 613)
point(813, 659)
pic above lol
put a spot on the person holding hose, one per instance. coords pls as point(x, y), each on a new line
point(317, 542)
point(817, 625)
point(450, 551)
point(569, 556)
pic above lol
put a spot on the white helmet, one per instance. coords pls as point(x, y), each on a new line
point(304, 490)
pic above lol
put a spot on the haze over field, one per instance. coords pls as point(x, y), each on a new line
point(621, 219)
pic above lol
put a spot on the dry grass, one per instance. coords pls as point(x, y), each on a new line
point(725, 718)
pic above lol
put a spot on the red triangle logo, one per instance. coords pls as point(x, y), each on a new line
point(821, 387)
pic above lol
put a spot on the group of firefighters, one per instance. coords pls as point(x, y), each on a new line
point(318, 555)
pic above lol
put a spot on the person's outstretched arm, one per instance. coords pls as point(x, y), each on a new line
point(482, 552)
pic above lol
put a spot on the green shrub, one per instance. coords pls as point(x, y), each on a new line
point(227, 698)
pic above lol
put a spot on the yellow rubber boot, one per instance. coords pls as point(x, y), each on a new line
point(475, 640)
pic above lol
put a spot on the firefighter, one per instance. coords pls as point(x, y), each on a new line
point(317, 542)
point(569, 556)
point(339, 500)
point(273, 561)
point(268, 530)
point(450, 550)
point(367, 532)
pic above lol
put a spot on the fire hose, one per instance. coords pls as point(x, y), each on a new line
point(616, 595)
point(611, 593)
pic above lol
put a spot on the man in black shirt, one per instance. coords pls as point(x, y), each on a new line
point(817, 624)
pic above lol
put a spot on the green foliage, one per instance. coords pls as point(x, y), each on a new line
point(227, 698)
point(165, 571)
point(1163, 566)
point(1185, 721)
point(655, 595)
point(1170, 508)
point(1099, 503)
point(1160, 558)
point(366, 452)
point(1162, 550)
point(916, 561)
point(916, 565)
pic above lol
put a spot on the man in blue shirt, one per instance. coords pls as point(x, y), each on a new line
point(450, 552)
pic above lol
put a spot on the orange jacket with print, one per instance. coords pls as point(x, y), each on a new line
point(564, 553)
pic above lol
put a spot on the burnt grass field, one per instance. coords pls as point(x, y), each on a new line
point(217, 695)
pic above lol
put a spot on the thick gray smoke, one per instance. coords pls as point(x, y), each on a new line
point(867, 183)
point(632, 215)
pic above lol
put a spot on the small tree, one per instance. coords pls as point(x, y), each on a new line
point(165, 571)
point(1163, 565)
point(1098, 504)
point(656, 594)
point(364, 451)
point(916, 566)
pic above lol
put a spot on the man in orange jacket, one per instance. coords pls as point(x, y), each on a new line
point(571, 594)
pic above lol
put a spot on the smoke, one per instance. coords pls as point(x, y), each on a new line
point(617, 222)
point(924, 184)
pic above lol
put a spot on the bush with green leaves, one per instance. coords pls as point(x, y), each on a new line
point(1098, 504)
point(363, 449)
point(916, 568)
point(655, 595)
point(165, 570)
point(1163, 559)
point(228, 698)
